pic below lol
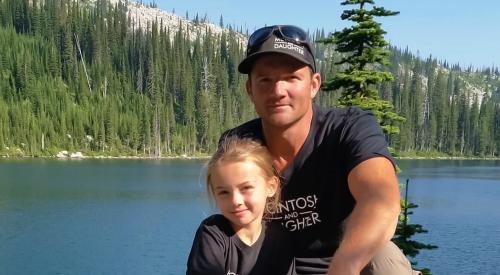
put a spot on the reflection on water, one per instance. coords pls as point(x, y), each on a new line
point(139, 216)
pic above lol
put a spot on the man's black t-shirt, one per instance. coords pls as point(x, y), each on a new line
point(315, 193)
point(217, 250)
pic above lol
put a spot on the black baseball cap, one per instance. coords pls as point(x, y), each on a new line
point(284, 39)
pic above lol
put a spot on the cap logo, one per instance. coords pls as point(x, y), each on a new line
point(282, 44)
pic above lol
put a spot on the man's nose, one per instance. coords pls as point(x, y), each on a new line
point(279, 88)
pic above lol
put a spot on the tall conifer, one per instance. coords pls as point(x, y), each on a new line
point(364, 49)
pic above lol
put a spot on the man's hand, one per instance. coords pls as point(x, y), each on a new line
point(374, 186)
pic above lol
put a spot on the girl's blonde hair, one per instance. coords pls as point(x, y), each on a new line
point(234, 149)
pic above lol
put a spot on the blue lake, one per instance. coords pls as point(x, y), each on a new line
point(459, 203)
point(139, 216)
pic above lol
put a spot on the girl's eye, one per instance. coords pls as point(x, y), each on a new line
point(221, 193)
point(247, 188)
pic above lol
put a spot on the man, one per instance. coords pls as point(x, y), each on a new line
point(340, 197)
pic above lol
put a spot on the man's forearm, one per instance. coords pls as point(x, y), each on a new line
point(371, 224)
point(374, 187)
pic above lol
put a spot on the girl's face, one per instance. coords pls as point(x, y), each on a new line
point(240, 191)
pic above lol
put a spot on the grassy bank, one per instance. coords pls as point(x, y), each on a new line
point(129, 154)
point(8, 152)
point(438, 155)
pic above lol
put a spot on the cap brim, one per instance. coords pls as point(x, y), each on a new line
point(246, 64)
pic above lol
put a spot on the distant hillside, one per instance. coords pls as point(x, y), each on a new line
point(143, 16)
point(115, 78)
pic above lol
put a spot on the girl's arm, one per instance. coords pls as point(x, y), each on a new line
point(207, 253)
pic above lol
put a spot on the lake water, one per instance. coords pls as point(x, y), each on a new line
point(459, 203)
point(139, 216)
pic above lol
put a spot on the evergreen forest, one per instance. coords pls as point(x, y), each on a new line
point(83, 76)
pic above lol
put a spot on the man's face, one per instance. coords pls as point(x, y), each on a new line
point(282, 90)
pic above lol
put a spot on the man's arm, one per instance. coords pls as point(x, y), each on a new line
point(374, 186)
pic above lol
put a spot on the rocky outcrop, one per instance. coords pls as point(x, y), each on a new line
point(66, 154)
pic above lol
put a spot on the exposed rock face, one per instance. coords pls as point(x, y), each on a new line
point(62, 154)
point(66, 154)
point(76, 155)
point(143, 16)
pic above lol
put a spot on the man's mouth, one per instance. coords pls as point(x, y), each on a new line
point(278, 105)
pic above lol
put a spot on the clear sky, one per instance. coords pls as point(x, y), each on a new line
point(458, 31)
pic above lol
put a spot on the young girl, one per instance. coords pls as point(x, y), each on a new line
point(242, 181)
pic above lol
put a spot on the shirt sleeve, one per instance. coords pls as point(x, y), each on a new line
point(207, 253)
point(362, 138)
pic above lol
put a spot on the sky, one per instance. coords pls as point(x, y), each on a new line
point(458, 31)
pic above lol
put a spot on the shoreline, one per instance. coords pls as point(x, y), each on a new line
point(80, 156)
point(448, 158)
point(110, 157)
point(206, 157)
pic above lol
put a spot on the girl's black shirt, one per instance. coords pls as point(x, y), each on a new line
point(217, 250)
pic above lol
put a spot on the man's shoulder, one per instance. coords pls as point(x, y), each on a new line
point(338, 120)
point(339, 114)
point(250, 129)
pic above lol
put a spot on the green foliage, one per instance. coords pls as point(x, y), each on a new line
point(79, 77)
point(364, 47)
point(68, 69)
point(405, 231)
point(444, 111)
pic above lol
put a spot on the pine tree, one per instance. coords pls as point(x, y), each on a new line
point(485, 120)
point(405, 231)
point(429, 123)
point(47, 93)
point(417, 107)
point(496, 129)
point(364, 47)
point(439, 110)
point(463, 122)
point(452, 125)
point(4, 124)
point(474, 125)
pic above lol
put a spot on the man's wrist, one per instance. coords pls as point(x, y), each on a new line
point(345, 265)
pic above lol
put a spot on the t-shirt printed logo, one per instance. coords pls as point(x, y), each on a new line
point(297, 213)
point(231, 273)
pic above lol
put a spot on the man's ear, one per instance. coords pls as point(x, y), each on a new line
point(315, 84)
point(248, 86)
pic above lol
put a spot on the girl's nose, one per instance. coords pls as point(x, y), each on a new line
point(237, 198)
